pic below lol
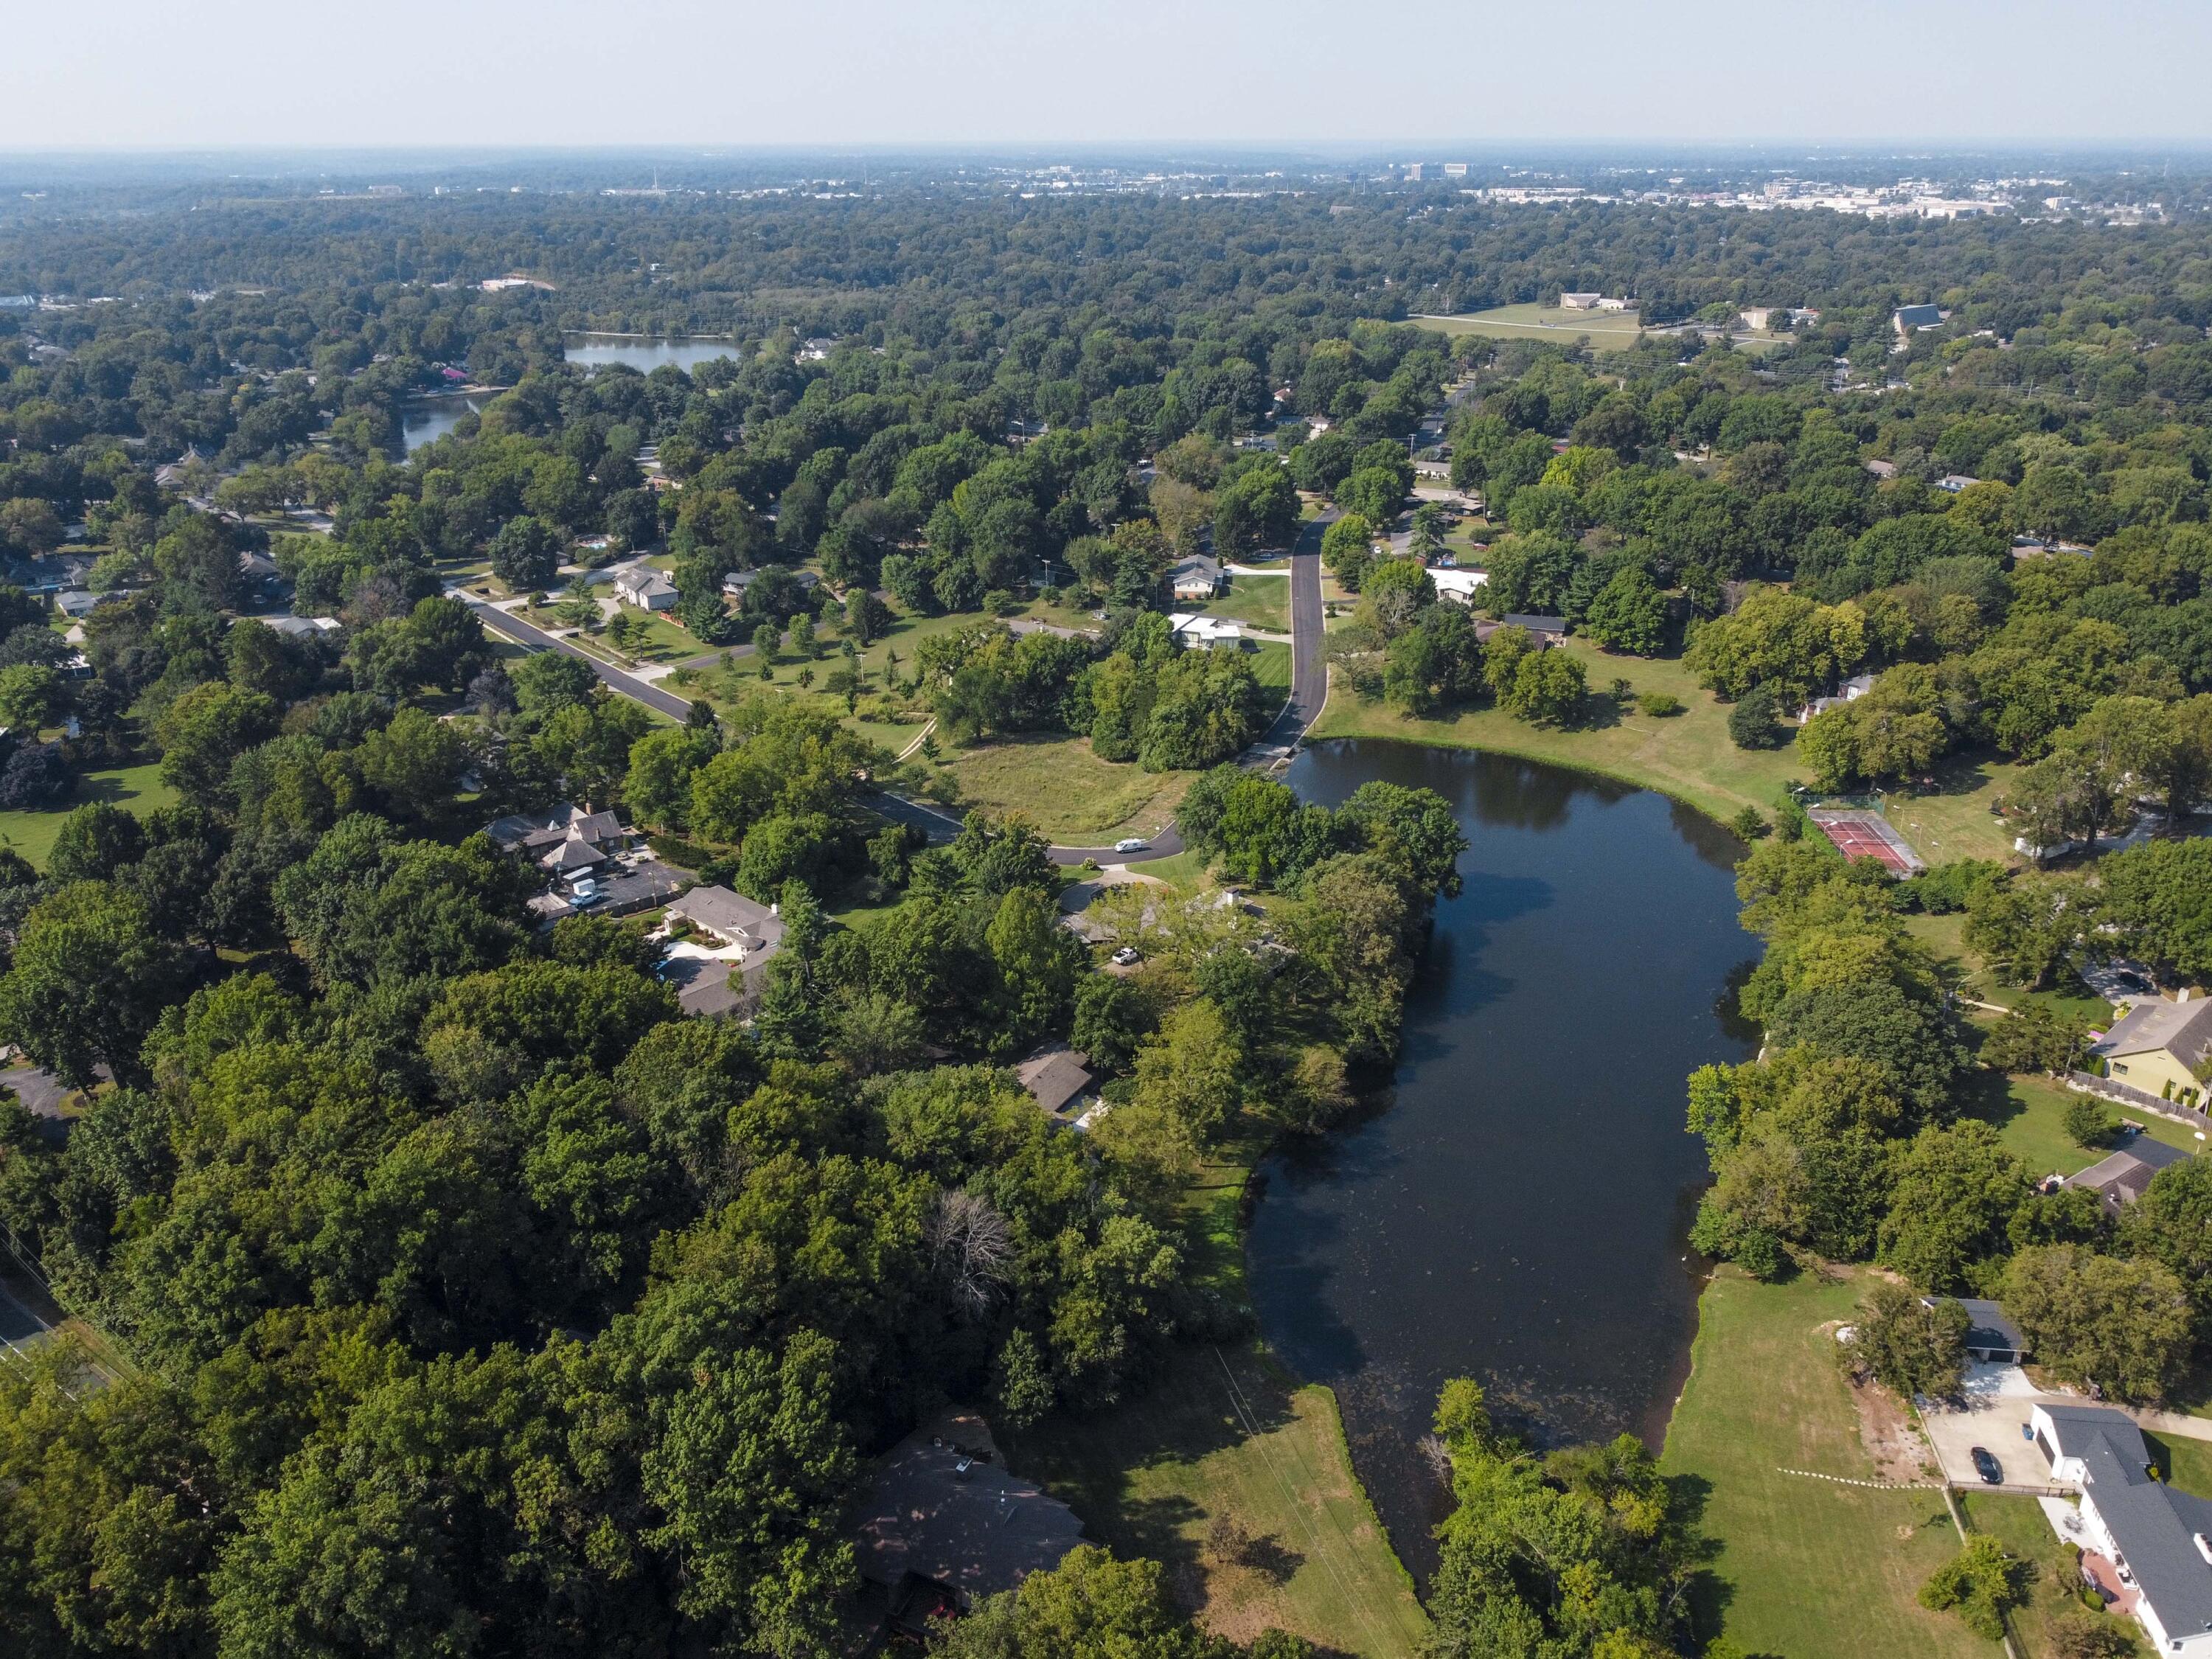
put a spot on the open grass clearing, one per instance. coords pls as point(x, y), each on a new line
point(652, 637)
point(1809, 1568)
point(140, 789)
point(2029, 1117)
point(1185, 870)
point(1262, 602)
point(1607, 330)
point(1072, 796)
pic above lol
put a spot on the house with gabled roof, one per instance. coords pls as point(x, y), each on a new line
point(2161, 1048)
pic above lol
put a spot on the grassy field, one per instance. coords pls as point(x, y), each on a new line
point(1261, 602)
point(1687, 756)
point(1947, 937)
point(1185, 870)
point(1271, 667)
point(138, 788)
point(1608, 330)
point(1807, 1568)
point(654, 637)
point(1074, 797)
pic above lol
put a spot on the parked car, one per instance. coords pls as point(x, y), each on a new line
point(584, 892)
point(1131, 844)
point(1986, 1466)
point(1126, 957)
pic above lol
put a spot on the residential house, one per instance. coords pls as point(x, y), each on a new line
point(1198, 577)
point(940, 1522)
point(1883, 470)
point(1910, 320)
point(814, 350)
point(298, 628)
point(1850, 691)
point(560, 838)
point(77, 603)
point(1059, 1079)
point(1460, 586)
point(1618, 305)
point(745, 937)
point(1991, 1337)
point(645, 587)
point(2163, 1048)
point(1204, 633)
point(1954, 482)
point(737, 582)
point(2148, 1535)
point(1579, 301)
point(1549, 629)
point(2122, 1177)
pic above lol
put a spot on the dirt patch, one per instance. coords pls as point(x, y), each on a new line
point(1890, 1437)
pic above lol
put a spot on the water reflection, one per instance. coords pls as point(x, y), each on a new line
point(1519, 1211)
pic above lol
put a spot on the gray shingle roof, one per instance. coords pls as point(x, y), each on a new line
point(975, 1531)
point(2184, 1029)
point(2124, 1176)
point(2154, 1526)
point(1056, 1076)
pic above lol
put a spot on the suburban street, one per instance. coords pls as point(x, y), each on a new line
point(537, 639)
point(1309, 671)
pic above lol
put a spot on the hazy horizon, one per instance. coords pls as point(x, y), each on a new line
point(863, 75)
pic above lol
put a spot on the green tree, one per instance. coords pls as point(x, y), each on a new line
point(1346, 548)
point(526, 554)
point(89, 979)
point(2124, 1325)
point(413, 762)
point(1629, 613)
point(1912, 1347)
point(1955, 1189)
point(95, 842)
point(1193, 1071)
point(32, 695)
point(657, 788)
point(1548, 689)
point(202, 732)
point(1982, 1583)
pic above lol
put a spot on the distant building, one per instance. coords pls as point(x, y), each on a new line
point(2161, 1048)
point(645, 587)
point(1549, 629)
point(1882, 470)
point(1454, 169)
point(1198, 577)
point(298, 628)
point(1462, 586)
point(1850, 691)
point(1204, 633)
point(1579, 301)
point(1910, 320)
point(1955, 481)
point(1059, 1079)
point(737, 582)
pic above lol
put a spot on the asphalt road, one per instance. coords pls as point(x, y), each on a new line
point(537, 639)
point(942, 826)
point(1309, 671)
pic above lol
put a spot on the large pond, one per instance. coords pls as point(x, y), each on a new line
point(644, 354)
point(1518, 1213)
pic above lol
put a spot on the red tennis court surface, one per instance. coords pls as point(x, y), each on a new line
point(1868, 836)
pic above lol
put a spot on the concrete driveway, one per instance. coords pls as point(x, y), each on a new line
point(1991, 1419)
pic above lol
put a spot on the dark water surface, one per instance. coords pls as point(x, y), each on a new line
point(1518, 1213)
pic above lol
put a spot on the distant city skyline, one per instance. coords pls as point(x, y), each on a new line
point(866, 73)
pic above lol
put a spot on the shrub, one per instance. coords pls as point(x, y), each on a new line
point(1983, 1583)
point(2078, 1638)
point(1755, 721)
point(2088, 1123)
point(1658, 704)
point(1751, 823)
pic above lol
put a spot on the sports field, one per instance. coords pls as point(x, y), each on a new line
point(1608, 330)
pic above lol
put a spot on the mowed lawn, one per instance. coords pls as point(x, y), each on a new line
point(2017, 1522)
point(1608, 330)
point(1687, 756)
point(1808, 1568)
point(137, 787)
point(1261, 602)
point(2030, 1120)
point(1074, 797)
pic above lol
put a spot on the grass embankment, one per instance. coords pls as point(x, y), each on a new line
point(140, 789)
point(1225, 1432)
point(1262, 602)
point(1689, 756)
point(1074, 796)
point(1809, 1568)
point(1608, 330)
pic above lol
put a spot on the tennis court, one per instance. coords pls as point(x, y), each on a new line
point(1868, 835)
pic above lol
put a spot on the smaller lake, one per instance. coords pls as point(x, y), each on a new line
point(425, 420)
point(1519, 1211)
point(645, 354)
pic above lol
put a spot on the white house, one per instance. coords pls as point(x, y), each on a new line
point(1204, 633)
point(1197, 577)
point(645, 587)
point(1852, 690)
point(1458, 585)
point(2157, 1538)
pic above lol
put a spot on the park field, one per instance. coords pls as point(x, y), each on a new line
point(1809, 1568)
point(1606, 330)
point(139, 788)
point(1076, 798)
point(1689, 756)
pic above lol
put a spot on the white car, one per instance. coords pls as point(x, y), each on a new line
point(1126, 957)
point(1132, 845)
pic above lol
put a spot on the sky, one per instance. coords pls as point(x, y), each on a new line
point(855, 74)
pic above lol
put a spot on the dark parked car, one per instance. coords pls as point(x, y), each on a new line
point(1987, 1466)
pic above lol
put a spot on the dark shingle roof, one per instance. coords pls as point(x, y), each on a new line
point(2154, 1526)
point(975, 1531)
